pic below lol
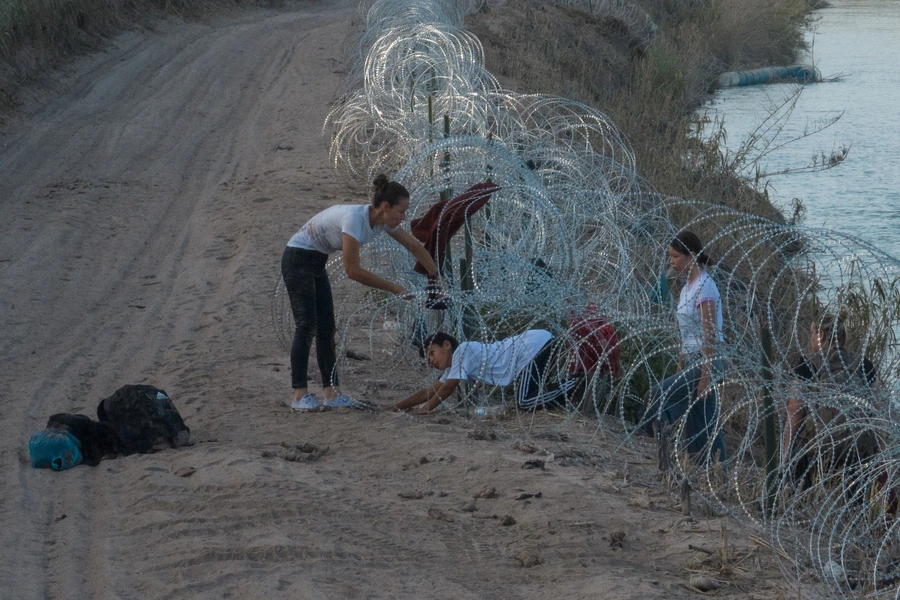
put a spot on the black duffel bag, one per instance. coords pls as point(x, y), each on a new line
point(144, 419)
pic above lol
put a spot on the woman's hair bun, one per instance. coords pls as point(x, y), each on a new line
point(387, 191)
point(380, 183)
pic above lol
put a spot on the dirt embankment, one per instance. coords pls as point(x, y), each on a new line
point(648, 65)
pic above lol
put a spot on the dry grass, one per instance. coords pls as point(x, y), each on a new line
point(29, 28)
point(649, 87)
point(38, 35)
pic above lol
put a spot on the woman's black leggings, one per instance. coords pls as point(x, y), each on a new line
point(309, 290)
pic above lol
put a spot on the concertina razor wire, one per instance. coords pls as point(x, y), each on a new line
point(574, 229)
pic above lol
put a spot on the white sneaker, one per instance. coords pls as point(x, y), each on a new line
point(341, 401)
point(307, 402)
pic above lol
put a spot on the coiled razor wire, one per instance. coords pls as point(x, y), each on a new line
point(574, 229)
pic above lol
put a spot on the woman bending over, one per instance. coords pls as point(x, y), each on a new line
point(342, 228)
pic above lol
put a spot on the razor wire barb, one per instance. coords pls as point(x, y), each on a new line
point(574, 226)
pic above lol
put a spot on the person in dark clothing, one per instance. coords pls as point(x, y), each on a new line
point(829, 365)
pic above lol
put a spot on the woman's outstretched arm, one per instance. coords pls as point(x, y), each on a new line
point(350, 250)
point(415, 248)
point(431, 396)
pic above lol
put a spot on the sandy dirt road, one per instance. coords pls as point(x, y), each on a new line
point(144, 208)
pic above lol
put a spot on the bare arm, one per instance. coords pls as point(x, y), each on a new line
point(442, 393)
point(415, 248)
point(431, 396)
point(710, 329)
point(796, 412)
point(418, 398)
point(350, 249)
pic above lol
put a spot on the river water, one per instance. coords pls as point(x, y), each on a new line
point(858, 39)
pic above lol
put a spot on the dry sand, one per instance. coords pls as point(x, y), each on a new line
point(145, 204)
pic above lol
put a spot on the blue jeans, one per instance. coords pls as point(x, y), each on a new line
point(309, 290)
point(675, 397)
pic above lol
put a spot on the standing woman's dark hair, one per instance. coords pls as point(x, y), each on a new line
point(387, 191)
point(688, 243)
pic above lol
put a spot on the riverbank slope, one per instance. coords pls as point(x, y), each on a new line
point(649, 67)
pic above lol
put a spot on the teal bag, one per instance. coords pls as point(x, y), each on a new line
point(659, 293)
point(54, 449)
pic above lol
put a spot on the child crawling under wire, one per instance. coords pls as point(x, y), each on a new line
point(521, 359)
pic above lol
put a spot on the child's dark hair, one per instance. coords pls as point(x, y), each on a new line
point(387, 191)
point(438, 339)
point(688, 243)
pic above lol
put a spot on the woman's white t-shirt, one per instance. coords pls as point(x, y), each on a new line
point(325, 231)
point(497, 363)
point(702, 289)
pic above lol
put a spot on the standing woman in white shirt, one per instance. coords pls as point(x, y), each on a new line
point(692, 389)
point(341, 228)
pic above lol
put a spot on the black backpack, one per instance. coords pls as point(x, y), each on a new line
point(98, 440)
point(144, 418)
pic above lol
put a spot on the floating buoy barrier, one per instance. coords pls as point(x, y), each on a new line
point(792, 73)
